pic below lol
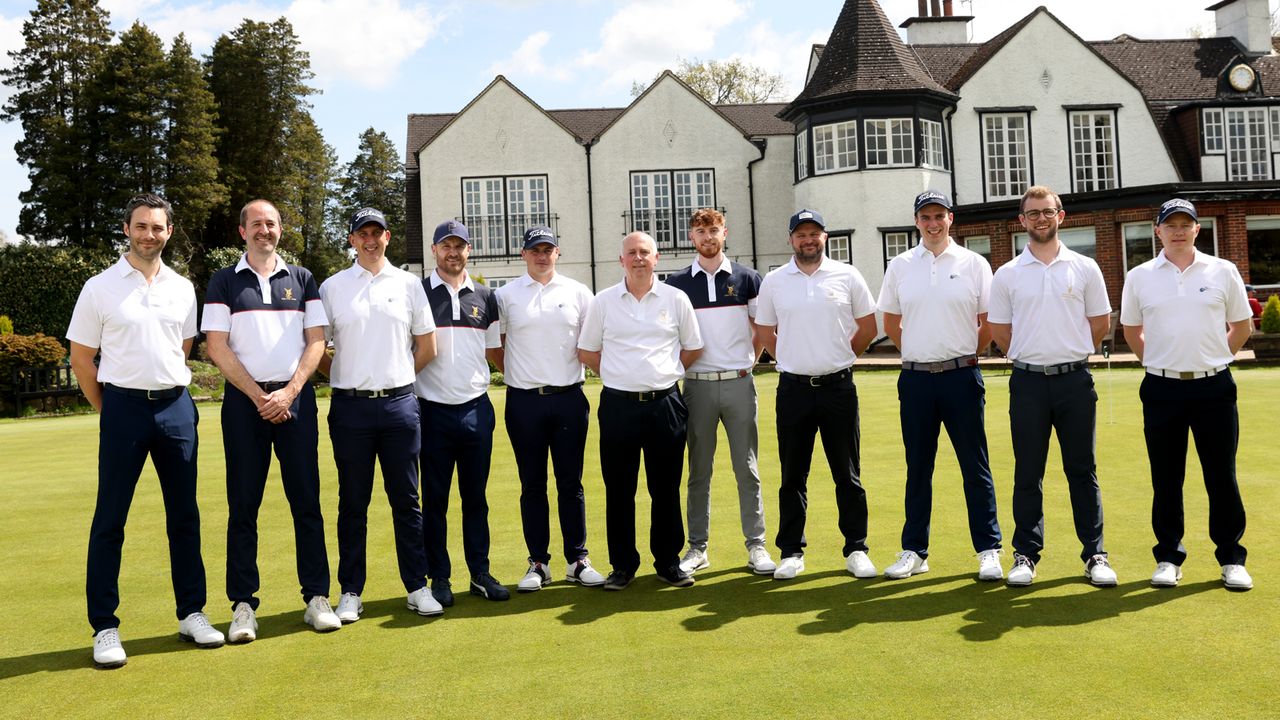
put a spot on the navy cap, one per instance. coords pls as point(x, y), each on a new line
point(364, 216)
point(448, 229)
point(538, 235)
point(1176, 205)
point(805, 216)
point(932, 197)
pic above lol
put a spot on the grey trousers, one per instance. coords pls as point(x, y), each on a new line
point(710, 403)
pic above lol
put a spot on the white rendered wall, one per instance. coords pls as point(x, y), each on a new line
point(775, 204)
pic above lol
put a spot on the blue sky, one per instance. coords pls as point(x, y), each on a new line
point(376, 61)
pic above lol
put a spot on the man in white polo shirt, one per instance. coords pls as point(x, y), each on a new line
point(142, 317)
point(639, 336)
point(1048, 311)
point(718, 388)
point(817, 316)
point(1185, 314)
point(457, 417)
point(265, 327)
point(542, 313)
point(383, 335)
point(934, 300)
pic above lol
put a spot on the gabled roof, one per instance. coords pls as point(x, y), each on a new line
point(667, 74)
point(864, 56)
point(986, 50)
point(1171, 70)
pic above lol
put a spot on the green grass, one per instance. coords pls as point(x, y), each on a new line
point(735, 645)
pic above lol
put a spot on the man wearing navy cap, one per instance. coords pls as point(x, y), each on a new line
point(457, 417)
point(817, 316)
point(542, 313)
point(1174, 310)
point(265, 327)
point(383, 335)
point(934, 300)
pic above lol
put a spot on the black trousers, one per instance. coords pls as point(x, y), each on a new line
point(539, 425)
point(804, 411)
point(248, 440)
point(1207, 408)
point(657, 429)
point(456, 436)
point(1040, 404)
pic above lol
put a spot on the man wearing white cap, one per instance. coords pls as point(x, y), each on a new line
point(1185, 314)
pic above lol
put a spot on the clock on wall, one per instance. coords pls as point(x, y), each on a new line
point(1241, 77)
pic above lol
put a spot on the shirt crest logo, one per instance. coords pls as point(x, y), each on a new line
point(475, 312)
point(730, 291)
point(288, 293)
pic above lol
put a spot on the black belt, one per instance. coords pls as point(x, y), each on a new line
point(819, 380)
point(394, 392)
point(1059, 369)
point(641, 395)
point(274, 385)
point(943, 366)
point(162, 394)
point(547, 389)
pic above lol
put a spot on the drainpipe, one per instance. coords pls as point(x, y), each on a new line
point(591, 215)
point(751, 197)
point(951, 113)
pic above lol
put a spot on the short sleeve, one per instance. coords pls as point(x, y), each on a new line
point(1237, 299)
point(984, 283)
point(1000, 303)
point(591, 338)
point(860, 296)
point(888, 300)
point(690, 332)
point(1130, 303)
point(86, 324)
point(1096, 301)
point(421, 320)
point(766, 313)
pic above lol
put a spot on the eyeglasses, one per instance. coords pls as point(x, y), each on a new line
point(1034, 215)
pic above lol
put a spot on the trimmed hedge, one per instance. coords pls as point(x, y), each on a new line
point(1271, 316)
point(39, 285)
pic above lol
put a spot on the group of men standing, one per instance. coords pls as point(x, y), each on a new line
point(409, 375)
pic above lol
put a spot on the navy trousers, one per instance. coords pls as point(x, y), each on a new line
point(539, 425)
point(1207, 408)
point(130, 430)
point(248, 440)
point(460, 435)
point(1066, 404)
point(384, 429)
point(656, 429)
point(956, 399)
point(803, 412)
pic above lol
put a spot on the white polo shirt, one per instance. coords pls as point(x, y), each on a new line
point(724, 303)
point(138, 326)
point(1183, 313)
point(639, 341)
point(1049, 306)
point(466, 322)
point(939, 299)
point(815, 315)
point(541, 324)
point(372, 321)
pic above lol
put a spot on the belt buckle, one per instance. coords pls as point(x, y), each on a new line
point(153, 397)
point(935, 367)
point(814, 381)
point(378, 393)
point(646, 395)
point(542, 390)
point(1187, 375)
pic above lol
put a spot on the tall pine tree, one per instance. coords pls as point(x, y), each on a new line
point(304, 209)
point(63, 42)
point(375, 178)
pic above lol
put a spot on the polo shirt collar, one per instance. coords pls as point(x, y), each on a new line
point(653, 289)
point(696, 267)
point(828, 265)
point(1198, 258)
point(1065, 254)
point(123, 268)
point(280, 265)
point(528, 281)
point(467, 283)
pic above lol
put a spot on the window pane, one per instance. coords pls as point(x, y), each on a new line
point(1139, 244)
point(1081, 240)
point(838, 248)
point(1213, 130)
point(1005, 146)
point(980, 244)
point(1264, 251)
point(1206, 241)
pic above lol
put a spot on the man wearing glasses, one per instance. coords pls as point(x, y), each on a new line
point(1048, 311)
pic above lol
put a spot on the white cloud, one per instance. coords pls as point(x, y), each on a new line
point(526, 61)
point(786, 55)
point(10, 37)
point(643, 38)
point(364, 42)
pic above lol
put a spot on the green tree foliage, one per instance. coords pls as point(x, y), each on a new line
point(63, 40)
point(726, 82)
point(40, 284)
point(375, 178)
point(306, 206)
point(6, 325)
point(1270, 321)
point(223, 257)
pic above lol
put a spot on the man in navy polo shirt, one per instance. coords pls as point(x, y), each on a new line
point(718, 388)
point(142, 317)
point(265, 327)
point(382, 336)
point(457, 417)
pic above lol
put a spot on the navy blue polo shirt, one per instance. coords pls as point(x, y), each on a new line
point(725, 304)
point(466, 325)
point(265, 317)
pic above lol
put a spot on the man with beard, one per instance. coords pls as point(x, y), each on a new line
point(1186, 315)
point(718, 388)
point(934, 300)
point(142, 317)
point(383, 335)
point(639, 336)
point(265, 327)
point(816, 316)
point(1048, 311)
point(457, 417)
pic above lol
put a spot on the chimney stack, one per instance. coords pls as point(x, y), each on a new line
point(940, 27)
point(1248, 21)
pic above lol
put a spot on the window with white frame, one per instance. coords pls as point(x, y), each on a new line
point(933, 154)
point(1082, 240)
point(1207, 240)
point(1141, 244)
point(1093, 150)
point(663, 200)
point(495, 283)
point(835, 147)
point(497, 211)
point(1275, 127)
point(897, 242)
point(890, 142)
point(802, 154)
point(1212, 118)
point(1247, 154)
point(980, 244)
point(1263, 233)
point(1006, 151)
point(838, 248)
